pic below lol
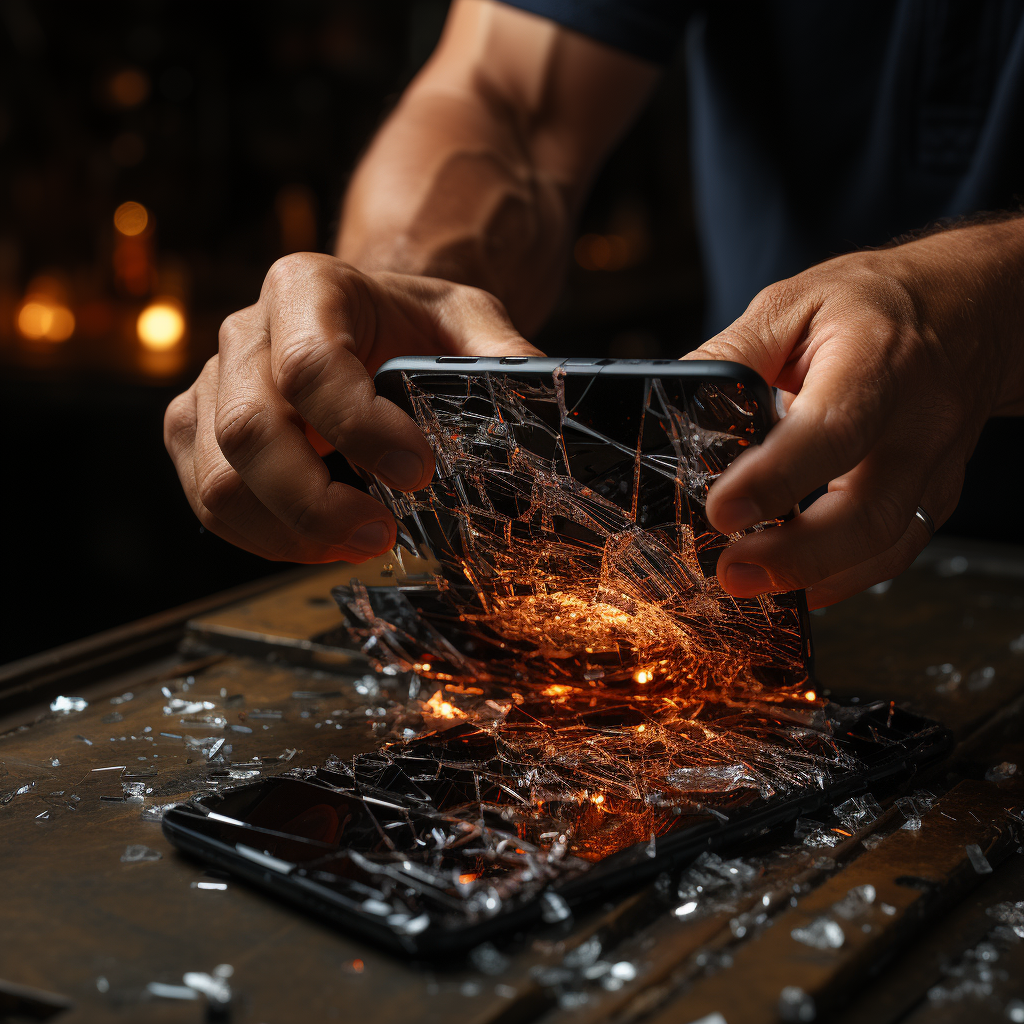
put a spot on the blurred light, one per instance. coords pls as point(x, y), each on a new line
point(131, 218)
point(129, 88)
point(643, 676)
point(810, 695)
point(42, 318)
point(161, 325)
point(603, 252)
point(296, 213)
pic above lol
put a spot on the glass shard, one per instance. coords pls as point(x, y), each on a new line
point(796, 1005)
point(821, 933)
point(1001, 772)
point(138, 853)
point(65, 705)
point(978, 859)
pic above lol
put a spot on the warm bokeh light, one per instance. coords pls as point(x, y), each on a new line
point(131, 218)
point(603, 252)
point(161, 325)
point(810, 695)
point(129, 88)
point(643, 676)
point(42, 318)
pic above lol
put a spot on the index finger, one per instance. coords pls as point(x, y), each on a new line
point(318, 321)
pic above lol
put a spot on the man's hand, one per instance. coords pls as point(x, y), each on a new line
point(297, 364)
point(890, 362)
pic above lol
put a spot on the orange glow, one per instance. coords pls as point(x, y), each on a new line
point(441, 708)
point(556, 690)
point(131, 219)
point(643, 676)
point(466, 879)
point(641, 728)
point(161, 325)
point(810, 695)
point(357, 966)
point(129, 88)
point(43, 318)
point(602, 252)
point(599, 799)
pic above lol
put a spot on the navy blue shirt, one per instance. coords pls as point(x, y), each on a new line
point(821, 127)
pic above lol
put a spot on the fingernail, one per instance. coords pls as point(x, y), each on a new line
point(743, 579)
point(403, 470)
point(737, 514)
point(373, 538)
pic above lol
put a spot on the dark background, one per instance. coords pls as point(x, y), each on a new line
point(237, 127)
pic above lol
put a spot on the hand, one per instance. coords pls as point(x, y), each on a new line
point(890, 362)
point(300, 363)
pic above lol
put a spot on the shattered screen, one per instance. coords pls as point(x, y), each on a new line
point(573, 686)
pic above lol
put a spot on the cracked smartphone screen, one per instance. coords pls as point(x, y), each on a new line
point(572, 690)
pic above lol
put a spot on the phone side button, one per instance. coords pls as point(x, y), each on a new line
point(514, 360)
point(456, 359)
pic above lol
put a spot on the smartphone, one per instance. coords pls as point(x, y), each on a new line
point(573, 702)
point(413, 849)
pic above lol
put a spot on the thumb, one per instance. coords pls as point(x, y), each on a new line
point(464, 320)
point(766, 336)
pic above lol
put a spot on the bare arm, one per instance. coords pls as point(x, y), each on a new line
point(478, 174)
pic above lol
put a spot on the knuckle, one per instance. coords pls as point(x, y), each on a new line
point(240, 426)
point(842, 432)
point(300, 367)
point(219, 488)
point(180, 422)
point(302, 515)
point(295, 270)
point(883, 521)
point(232, 329)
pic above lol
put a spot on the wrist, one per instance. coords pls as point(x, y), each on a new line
point(967, 290)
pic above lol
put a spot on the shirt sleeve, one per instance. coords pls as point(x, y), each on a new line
point(649, 29)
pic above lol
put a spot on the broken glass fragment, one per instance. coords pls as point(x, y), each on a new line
point(1011, 915)
point(180, 706)
point(821, 933)
point(214, 986)
point(816, 834)
point(164, 991)
point(137, 854)
point(1001, 772)
point(134, 790)
point(858, 812)
point(796, 1005)
point(855, 903)
point(157, 812)
point(978, 859)
point(981, 678)
point(554, 908)
point(946, 676)
point(488, 959)
point(65, 705)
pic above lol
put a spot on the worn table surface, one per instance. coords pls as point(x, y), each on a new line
point(87, 933)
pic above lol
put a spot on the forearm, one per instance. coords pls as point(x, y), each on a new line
point(450, 189)
point(478, 175)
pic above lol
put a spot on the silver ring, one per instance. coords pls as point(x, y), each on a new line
point(926, 519)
